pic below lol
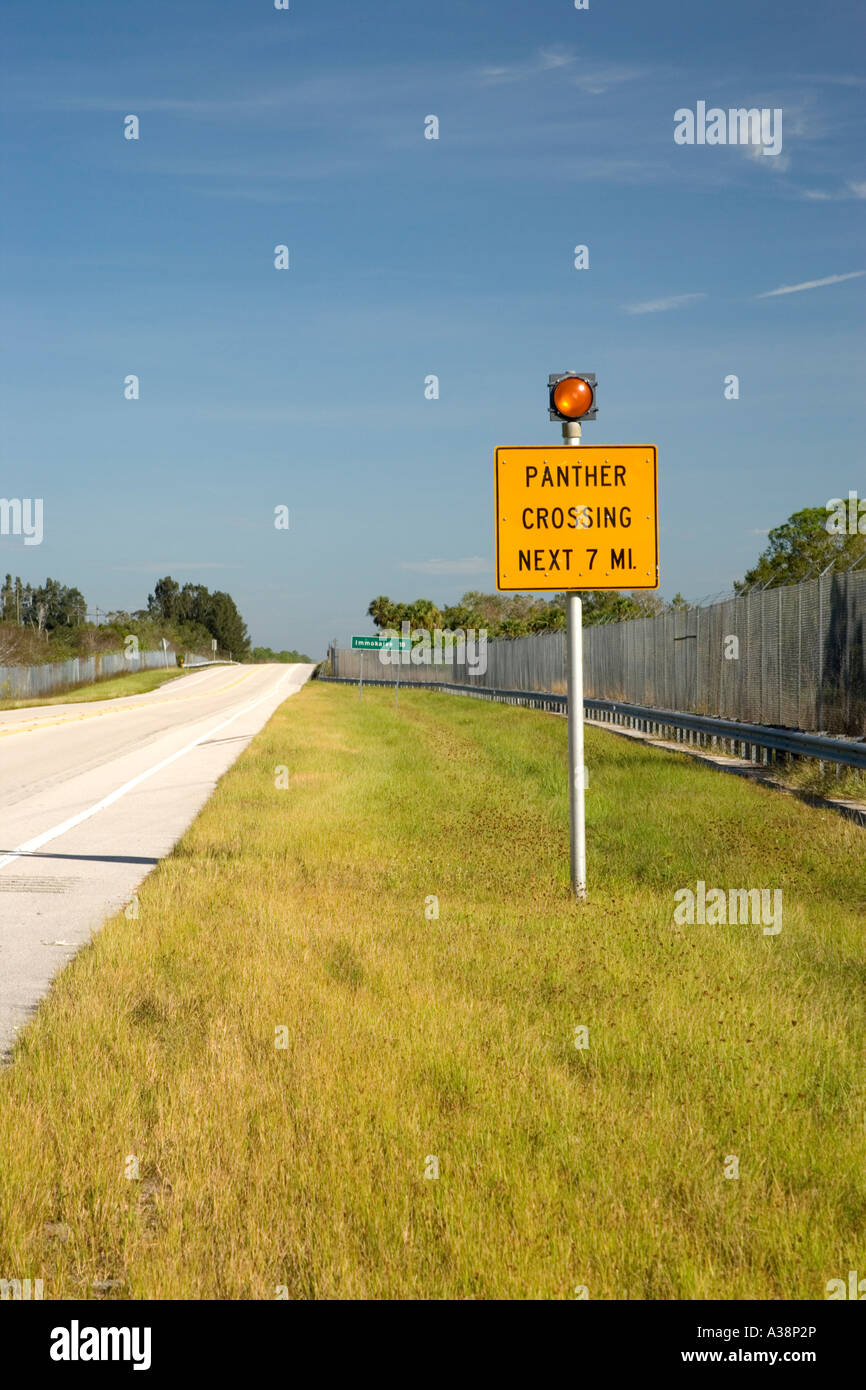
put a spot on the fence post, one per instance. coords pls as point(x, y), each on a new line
point(799, 650)
point(762, 716)
point(820, 652)
point(846, 676)
point(779, 657)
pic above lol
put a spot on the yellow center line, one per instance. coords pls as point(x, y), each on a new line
point(122, 709)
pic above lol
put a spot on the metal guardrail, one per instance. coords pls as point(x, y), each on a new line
point(199, 665)
point(744, 740)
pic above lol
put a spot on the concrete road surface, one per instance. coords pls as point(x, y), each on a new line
point(93, 795)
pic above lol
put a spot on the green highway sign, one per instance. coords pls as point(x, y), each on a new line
point(375, 644)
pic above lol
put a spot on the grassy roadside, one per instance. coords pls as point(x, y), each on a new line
point(847, 783)
point(112, 688)
point(832, 780)
point(411, 1038)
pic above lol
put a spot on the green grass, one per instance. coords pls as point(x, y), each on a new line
point(831, 780)
point(410, 1038)
point(112, 688)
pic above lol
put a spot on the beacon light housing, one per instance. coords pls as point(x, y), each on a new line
point(573, 395)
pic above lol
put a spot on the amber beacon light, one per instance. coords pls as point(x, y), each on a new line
point(573, 396)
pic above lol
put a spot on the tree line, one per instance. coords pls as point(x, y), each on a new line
point(194, 606)
point(516, 615)
point(41, 606)
point(51, 622)
point(262, 654)
point(812, 541)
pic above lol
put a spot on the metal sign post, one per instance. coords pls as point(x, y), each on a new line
point(367, 644)
point(576, 789)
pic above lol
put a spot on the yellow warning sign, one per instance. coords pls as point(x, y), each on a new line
point(569, 517)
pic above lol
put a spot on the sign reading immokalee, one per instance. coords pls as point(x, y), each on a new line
point(579, 517)
point(375, 644)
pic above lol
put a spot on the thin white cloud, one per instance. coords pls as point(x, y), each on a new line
point(597, 81)
point(593, 79)
point(475, 564)
point(555, 57)
point(811, 284)
point(776, 164)
point(835, 79)
point(545, 60)
point(854, 189)
point(660, 306)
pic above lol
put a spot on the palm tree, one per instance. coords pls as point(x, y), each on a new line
point(384, 613)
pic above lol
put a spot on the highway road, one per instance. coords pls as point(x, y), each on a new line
point(93, 795)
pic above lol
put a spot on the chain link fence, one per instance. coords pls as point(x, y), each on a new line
point(22, 682)
point(792, 656)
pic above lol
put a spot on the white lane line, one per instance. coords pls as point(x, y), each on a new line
point(32, 845)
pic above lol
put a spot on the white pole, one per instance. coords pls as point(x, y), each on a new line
point(361, 676)
point(576, 790)
point(575, 745)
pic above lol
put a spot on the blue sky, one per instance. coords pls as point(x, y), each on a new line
point(412, 257)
